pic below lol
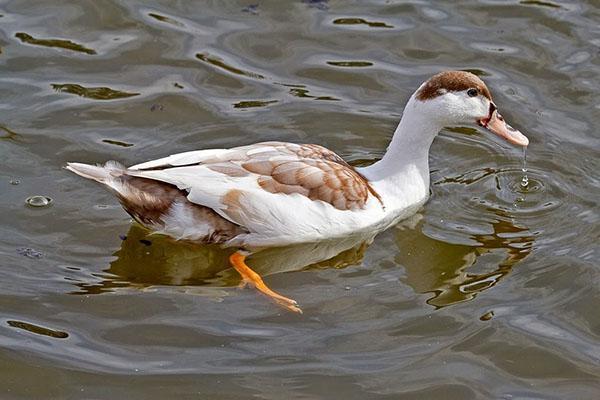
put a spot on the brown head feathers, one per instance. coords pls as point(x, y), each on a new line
point(454, 81)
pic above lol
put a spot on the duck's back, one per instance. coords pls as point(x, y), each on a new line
point(265, 194)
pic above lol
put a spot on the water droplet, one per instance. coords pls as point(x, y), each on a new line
point(38, 201)
point(524, 179)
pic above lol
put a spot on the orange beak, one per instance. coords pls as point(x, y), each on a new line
point(495, 123)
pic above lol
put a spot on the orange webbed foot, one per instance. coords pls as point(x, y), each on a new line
point(238, 260)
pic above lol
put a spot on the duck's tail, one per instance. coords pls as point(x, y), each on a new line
point(103, 174)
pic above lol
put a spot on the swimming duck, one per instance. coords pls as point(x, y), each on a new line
point(276, 193)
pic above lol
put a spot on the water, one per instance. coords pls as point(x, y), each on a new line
point(480, 295)
point(37, 201)
point(525, 178)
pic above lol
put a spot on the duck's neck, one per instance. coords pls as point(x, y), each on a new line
point(405, 164)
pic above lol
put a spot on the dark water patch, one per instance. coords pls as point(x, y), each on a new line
point(469, 177)
point(217, 62)
point(420, 54)
point(117, 143)
point(320, 4)
point(96, 93)
point(253, 103)
point(8, 134)
point(251, 9)
point(166, 19)
point(60, 43)
point(292, 85)
point(361, 21)
point(305, 93)
point(29, 252)
point(465, 130)
point(38, 330)
point(539, 3)
point(298, 92)
point(487, 316)
point(327, 98)
point(475, 71)
point(358, 64)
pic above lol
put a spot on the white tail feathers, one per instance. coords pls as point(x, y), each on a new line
point(102, 174)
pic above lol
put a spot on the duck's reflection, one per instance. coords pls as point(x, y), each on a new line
point(453, 273)
point(146, 260)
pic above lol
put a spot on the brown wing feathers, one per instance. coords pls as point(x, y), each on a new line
point(306, 169)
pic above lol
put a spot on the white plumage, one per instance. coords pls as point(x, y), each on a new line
point(275, 194)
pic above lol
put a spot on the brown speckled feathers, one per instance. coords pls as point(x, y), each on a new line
point(306, 169)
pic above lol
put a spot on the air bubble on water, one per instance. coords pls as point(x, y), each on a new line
point(38, 201)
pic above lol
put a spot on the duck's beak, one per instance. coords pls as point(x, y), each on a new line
point(495, 123)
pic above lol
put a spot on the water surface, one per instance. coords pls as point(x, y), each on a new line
point(491, 291)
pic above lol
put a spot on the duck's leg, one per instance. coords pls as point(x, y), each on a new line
point(238, 260)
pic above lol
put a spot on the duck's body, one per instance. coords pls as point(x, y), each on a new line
point(275, 193)
point(262, 195)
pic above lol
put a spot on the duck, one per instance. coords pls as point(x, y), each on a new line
point(274, 194)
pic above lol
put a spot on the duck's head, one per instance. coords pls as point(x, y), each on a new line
point(459, 98)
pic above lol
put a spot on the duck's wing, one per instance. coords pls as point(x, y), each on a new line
point(252, 185)
point(242, 153)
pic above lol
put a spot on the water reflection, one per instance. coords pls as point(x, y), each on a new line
point(96, 93)
point(377, 340)
point(37, 329)
point(219, 63)
point(64, 44)
point(166, 19)
point(8, 134)
point(145, 260)
point(361, 21)
point(452, 272)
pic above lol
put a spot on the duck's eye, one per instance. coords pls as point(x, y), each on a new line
point(472, 92)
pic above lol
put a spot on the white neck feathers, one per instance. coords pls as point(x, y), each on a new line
point(409, 149)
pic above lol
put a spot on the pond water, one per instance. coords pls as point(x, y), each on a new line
point(491, 291)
